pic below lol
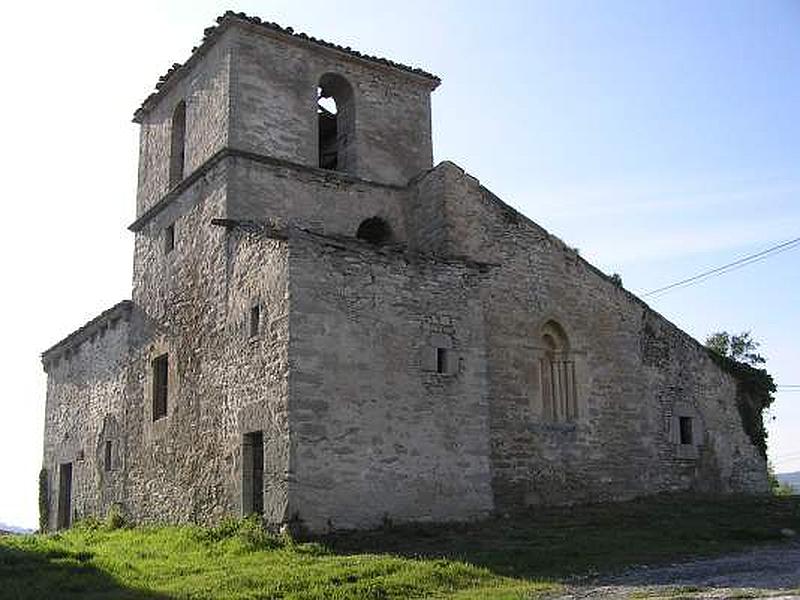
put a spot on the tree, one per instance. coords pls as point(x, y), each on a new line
point(739, 347)
point(738, 356)
point(776, 487)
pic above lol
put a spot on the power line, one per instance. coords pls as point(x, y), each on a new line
point(737, 264)
point(787, 388)
point(795, 454)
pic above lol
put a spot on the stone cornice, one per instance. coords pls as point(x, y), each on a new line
point(220, 155)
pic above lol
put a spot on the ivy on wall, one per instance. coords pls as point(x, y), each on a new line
point(44, 504)
point(754, 394)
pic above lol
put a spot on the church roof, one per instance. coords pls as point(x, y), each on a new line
point(121, 310)
point(210, 35)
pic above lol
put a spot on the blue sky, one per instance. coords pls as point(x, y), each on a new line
point(660, 138)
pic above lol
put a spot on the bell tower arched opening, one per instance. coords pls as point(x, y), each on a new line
point(335, 123)
point(177, 144)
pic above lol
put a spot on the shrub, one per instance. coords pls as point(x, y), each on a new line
point(253, 534)
point(114, 518)
point(89, 523)
point(250, 531)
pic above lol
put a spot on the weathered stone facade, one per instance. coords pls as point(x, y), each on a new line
point(378, 339)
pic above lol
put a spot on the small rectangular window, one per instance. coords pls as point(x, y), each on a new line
point(169, 239)
point(255, 320)
point(441, 360)
point(160, 386)
point(108, 455)
point(685, 430)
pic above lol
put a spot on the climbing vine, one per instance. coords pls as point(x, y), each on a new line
point(44, 504)
point(754, 394)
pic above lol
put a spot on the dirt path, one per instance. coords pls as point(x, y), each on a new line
point(770, 572)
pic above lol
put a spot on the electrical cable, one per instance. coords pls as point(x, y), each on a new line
point(732, 266)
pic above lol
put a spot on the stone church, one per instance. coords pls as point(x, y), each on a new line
point(328, 330)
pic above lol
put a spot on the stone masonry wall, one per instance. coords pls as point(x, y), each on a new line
point(312, 199)
point(206, 93)
point(377, 432)
point(635, 372)
point(274, 106)
point(85, 406)
point(196, 303)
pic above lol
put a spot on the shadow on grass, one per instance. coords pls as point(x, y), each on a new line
point(560, 544)
point(38, 573)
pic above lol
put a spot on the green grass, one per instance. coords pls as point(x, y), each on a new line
point(559, 542)
point(192, 562)
point(523, 556)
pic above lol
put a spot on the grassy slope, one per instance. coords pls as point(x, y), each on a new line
point(519, 557)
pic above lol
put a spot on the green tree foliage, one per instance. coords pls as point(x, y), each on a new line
point(776, 487)
point(739, 347)
point(737, 354)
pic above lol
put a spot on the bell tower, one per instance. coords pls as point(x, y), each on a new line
point(255, 88)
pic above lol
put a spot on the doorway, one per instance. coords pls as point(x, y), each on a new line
point(64, 496)
point(253, 473)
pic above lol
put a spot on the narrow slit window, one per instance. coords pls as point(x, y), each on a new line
point(108, 450)
point(255, 320)
point(169, 239)
point(160, 386)
point(685, 424)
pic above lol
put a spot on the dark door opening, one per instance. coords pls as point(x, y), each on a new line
point(64, 496)
point(685, 424)
point(253, 473)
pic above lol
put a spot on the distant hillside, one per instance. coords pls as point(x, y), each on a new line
point(792, 479)
point(4, 528)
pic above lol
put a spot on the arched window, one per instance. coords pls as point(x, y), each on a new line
point(177, 144)
point(557, 368)
point(335, 123)
point(374, 230)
